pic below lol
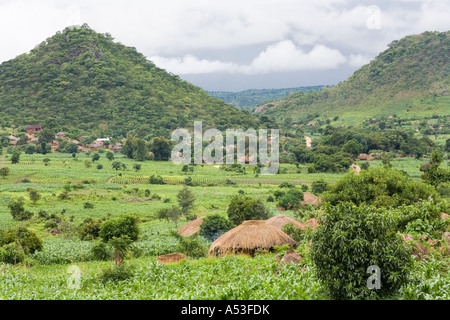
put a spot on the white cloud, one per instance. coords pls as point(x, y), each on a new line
point(280, 57)
point(285, 56)
point(190, 64)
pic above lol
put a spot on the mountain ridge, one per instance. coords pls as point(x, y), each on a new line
point(411, 77)
point(90, 84)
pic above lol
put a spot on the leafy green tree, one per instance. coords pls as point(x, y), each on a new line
point(161, 148)
point(34, 195)
point(71, 148)
point(15, 158)
point(18, 212)
point(186, 199)
point(380, 187)
point(46, 136)
point(137, 167)
point(213, 226)
point(319, 186)
point(242, 208)
point(90, 229)
point(120, 233)
point(156, 180)
point(173, 213)
point(353, 147)
point(348, 241)
point(30, 149)
point(4, 172)
point(110, 156)
point(27, 239)
point(291, 199)
point(99, 167)
point(434, 174)
point(46, 161)
point(95, 157)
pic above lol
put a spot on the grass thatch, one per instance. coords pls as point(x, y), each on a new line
point(312, 223)
point(190, 228)
point(248, 237)
point(171, 258)
point(280, 220)
point(310, 199)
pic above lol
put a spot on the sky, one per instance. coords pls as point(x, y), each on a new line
point(233, 45)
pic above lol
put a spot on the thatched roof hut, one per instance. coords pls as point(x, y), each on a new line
point(171, 258)
point(190, 228)
point(280, 220)
point(312, 223)
point(248, 237)
point(310, 199)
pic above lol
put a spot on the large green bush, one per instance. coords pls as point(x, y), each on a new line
point(90, 229)
point(213, 226)
point(352, 238)
point(291, 199)
point(126, 226)
point(382, 187)
point(27, 239)
point(244, 208)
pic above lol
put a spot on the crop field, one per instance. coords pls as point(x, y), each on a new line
point(47, 274)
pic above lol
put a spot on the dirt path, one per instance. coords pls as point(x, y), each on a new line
point(308, 142)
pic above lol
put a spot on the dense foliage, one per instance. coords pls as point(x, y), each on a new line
point(409, 78)
point(91, 84)
point(380, 187)
point(351, 239)
point(242, 208)
point(213, 226)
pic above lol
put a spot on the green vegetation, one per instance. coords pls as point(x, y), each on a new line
point(93, 85)
point(408, 81)
point(250, 99)
point(352, 239)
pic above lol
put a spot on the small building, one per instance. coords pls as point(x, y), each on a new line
point(33, 128)
point(60, 135)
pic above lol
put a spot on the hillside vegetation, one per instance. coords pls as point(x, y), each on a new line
point(250, 99)
point(410, 80)
point(87, 82)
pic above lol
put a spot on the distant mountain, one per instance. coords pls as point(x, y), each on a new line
point(90, 84)
point(250, 99)
point(411, 79)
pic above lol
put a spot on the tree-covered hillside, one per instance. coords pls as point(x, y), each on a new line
point(250, 99)
point(90, 84)
point(411, 79)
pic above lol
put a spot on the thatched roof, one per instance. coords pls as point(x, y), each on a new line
point(190, 228)
point(172, 257)
point(312, 223)
point(249, 236)
point(280, 220)
point(310, 198)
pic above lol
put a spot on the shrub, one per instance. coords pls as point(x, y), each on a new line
point(156, 180)
point(102, 251)
point(293, 232)
point(213, 226)
point(243, 208)
point(117, 274)
point(319, 187)
point(28, 240)
point(286, 184)
point(382, 187)
point(126, 226)
point(291, 199)
point(12, 253)
point(90, 229)
point(348, 241)
point(18, 212)
point(88, 205)
point(191, 246)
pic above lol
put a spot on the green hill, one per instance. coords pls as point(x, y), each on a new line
point(250, 99)
point(90, 84)
point(411, 80)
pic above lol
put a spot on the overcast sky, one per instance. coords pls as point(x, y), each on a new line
point(233, 45)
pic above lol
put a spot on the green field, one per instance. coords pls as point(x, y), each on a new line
point(113, 193)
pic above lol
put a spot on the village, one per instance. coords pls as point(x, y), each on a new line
point(32, 135)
